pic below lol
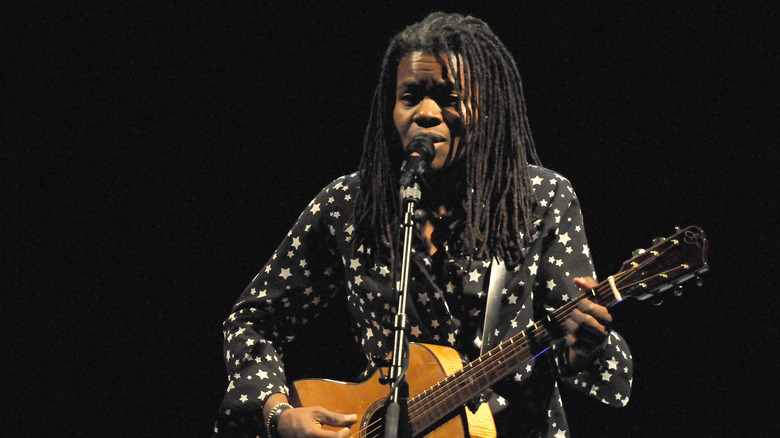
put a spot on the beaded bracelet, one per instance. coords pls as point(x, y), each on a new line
point(273, 419)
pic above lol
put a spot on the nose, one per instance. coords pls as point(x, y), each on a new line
point(428, 114)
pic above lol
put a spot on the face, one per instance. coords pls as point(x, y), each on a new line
point(426, 102)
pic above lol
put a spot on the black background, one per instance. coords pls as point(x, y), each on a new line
point(156, 153)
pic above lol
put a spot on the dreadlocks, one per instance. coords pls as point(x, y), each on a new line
point(497, 140)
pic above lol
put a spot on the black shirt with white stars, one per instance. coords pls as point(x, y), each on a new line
point(448, 292)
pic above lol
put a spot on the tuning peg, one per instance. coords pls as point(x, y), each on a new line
point(678, 290)
point(637, 251)
point(699, 281)
point(657, 300)
point(658, 240)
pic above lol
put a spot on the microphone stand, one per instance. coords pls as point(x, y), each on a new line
point(397, 413)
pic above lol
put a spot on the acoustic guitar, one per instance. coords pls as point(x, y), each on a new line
point(440, 387)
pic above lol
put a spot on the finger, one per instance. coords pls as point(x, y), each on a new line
point(335, 419)
point(324, 433)
point(590, 336)
point(570, 325)
point(577, 319)
point(344, 433)
point(600, 313)
point(585, 282)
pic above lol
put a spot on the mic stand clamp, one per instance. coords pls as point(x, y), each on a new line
point(397, 413)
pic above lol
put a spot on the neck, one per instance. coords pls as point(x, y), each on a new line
point(444, 190)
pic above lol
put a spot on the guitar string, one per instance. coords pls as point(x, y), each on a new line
point(540, 334)
point(601, 291)
point(480, 369)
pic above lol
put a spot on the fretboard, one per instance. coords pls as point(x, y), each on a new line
point(433, 404)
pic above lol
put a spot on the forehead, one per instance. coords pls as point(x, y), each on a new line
point(421, 66)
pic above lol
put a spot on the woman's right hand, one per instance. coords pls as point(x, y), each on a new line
point(308, 422)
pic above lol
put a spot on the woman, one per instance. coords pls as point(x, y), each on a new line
point(450, 79)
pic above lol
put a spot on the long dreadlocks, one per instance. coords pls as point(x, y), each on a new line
point(497, 140)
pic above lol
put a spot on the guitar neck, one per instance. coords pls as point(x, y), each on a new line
point(666, 264)
point(429, 406)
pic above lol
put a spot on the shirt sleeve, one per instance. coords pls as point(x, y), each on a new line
point(295, 284)
point(567, 256)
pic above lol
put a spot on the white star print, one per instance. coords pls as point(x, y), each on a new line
point(462, 287)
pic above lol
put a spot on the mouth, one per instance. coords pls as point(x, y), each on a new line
point(435, 137)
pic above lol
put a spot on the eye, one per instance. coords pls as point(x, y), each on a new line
point(409, 98)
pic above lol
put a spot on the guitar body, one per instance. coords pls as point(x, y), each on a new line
point(428, 365)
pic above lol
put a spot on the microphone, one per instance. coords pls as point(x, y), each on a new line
point(419, 154)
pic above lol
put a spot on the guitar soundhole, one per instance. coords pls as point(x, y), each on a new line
point(372, 424)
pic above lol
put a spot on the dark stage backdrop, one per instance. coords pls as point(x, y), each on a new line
point(155, 153)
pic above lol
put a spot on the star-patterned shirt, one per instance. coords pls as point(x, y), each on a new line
point(446, 306)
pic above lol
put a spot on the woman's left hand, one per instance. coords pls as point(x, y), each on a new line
point(587, 329)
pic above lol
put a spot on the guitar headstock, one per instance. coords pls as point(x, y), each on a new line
point(667, 264)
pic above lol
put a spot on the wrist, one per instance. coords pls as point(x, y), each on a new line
point(272, 419)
